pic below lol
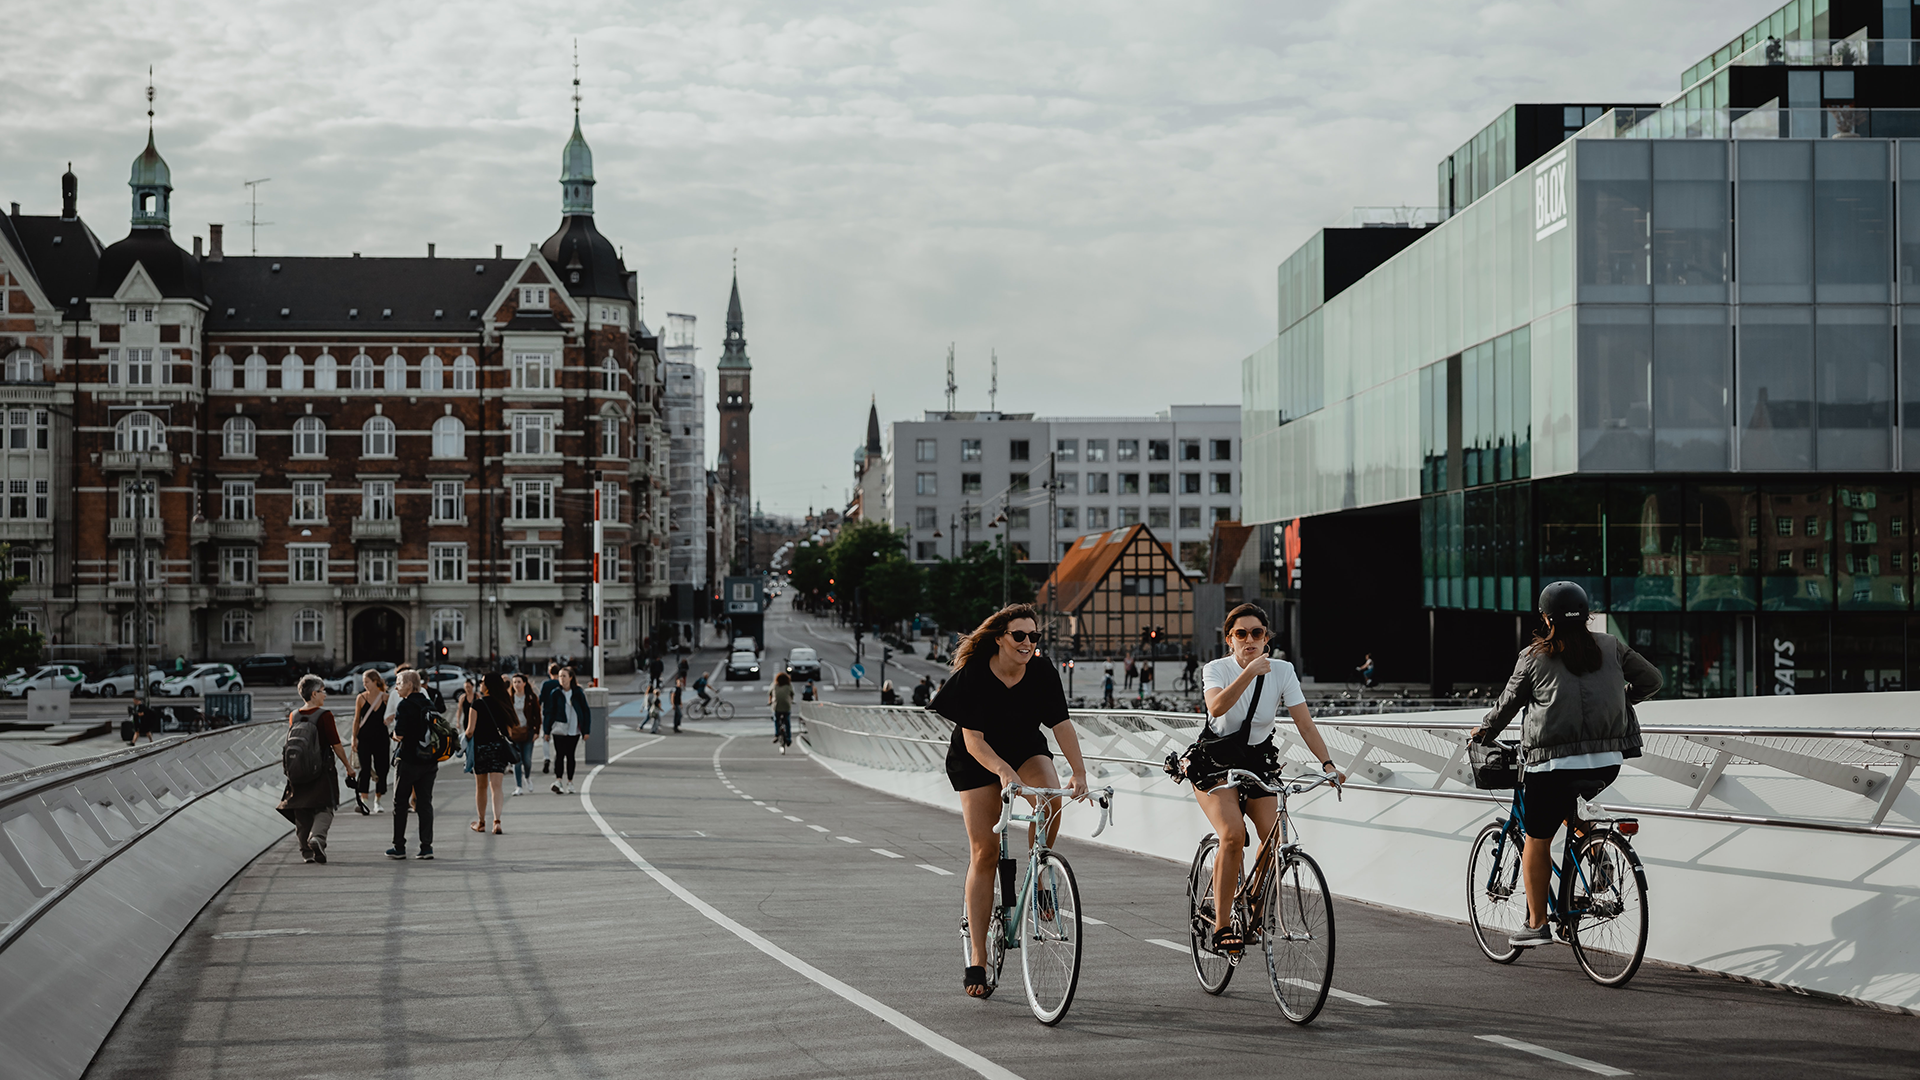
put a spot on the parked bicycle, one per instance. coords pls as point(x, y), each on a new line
point(1283, 903)
point(1598, 904)
point(1041, 915)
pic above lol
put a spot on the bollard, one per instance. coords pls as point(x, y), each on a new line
point(596, 750)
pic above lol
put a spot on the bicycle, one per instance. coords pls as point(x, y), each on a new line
point(1599, 906)
point(1041, 917)
point(1284, 902)
point(715, 706)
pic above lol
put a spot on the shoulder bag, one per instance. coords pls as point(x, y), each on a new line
point(1212, 755)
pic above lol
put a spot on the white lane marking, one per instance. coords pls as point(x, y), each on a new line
point(1085, 918)
point(1343, 995)
point(888, 854)
point(1165, 944)
point(772, 809)
point(817, 828)
point(1554, 1055)
point(885, 1013)
point(292, 930)
point(932, 869)
point(790, 817)
point(747, 797)
point(757, 802)
point(846, 839)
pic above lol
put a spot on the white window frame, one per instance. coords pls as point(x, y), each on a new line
point(926, 450)
point(533, 494)
point(309, 502)
point(450, 626)
point(362, 373)
point(293, 372)
point(151, 432)
point(533, 296)
point(432, 373)
point(237, 501)
point(537, 558)
point(236, 627)
point(304, 561)
point(222, 372)
point(447, 563)
point(466, 376)
point(309, 437)
point(376, 500)
point(326, 372)
point(378, 437)
point(309, 627)
point(239, 566)
point(533, 434)
point(256, 372)
point(449, 438)
point(396, 372)
point(449, 495)
point(610, 436)
point(377, 566)
point(533, 371)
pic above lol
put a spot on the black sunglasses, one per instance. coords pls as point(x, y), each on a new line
point(1022, 636)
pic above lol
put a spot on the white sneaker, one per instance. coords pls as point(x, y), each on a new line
point(570, 787)
point(783, 751)
point(378, 809)
point(518, 791)
point(556, 787)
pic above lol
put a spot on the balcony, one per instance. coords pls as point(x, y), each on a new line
point(129, 460)
point(15, 531)
point(127, 592)
point(250, 530)
point(238, 594)
point(365, 528)
point(122, 528)
point(361, 594)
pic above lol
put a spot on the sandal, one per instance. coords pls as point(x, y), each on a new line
point(476, 826)
point(496, 827)
point(1228, 942)
point(975, 982)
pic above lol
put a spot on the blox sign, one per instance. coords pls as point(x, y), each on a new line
point(1550, 194)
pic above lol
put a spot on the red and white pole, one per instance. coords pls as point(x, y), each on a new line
point(599, 606)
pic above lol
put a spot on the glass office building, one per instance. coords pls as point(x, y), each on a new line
point(1669, 359)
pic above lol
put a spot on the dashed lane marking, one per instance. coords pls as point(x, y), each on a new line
point(1343, 995)
point(1165, 944)
point(790, 817)
point(817, 828)
point(932, 869)
point(888, 854)
point(1554, 1055)
point(846, 839)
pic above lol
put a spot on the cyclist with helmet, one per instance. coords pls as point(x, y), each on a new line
point(1577, 688)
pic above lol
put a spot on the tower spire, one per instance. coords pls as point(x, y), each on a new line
point(733, 352)
point(576, 161)
point(151, 180)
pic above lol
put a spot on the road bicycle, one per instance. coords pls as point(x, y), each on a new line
point(1041, 915)
point(1599, 903)
point(1283, 903)
point(715, 706)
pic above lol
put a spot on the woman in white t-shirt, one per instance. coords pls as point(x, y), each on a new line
point(1243, 724)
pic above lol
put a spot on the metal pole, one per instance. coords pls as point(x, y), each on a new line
point(1053, 550)
point(140, 579)
point(599, 605)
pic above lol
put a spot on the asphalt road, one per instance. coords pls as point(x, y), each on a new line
point(711, 908)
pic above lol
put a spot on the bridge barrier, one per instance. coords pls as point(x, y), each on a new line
point(1781, 836)
point(106, 860)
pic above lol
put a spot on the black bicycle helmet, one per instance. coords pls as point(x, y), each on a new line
point(1563, 600)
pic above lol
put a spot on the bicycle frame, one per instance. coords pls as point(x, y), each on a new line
point(1052, 801)
point(1565, 870)
point(1253, 891)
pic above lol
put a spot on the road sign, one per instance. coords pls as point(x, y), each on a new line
point(858, 671)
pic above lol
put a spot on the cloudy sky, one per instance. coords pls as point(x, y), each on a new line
point(1098, 191)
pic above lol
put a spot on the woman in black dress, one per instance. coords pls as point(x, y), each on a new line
point(486, 731)
point(998, 702)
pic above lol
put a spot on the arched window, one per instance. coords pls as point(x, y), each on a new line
point(376, 437)
point(236, 627)
point(126, 629)
point(464, 375)
point(27, 620)
point(293, 372)
point(325, 373)
point(610, 374)
point(309, 437)
point(236, 437)
point(430, 372)
point(223, 372)
point(256, 372)
point(396, 372)
point(534, 622)
point(363, 372)
point(450, 626)
point(449, 438)
point(24, 366)
point(309, 628)
point(139, 431)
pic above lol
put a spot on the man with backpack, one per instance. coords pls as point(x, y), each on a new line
point(313, 788)
point(423, 745)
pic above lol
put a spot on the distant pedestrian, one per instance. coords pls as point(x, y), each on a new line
point(415, 766)
point(1146, 679)
point(524, 729)
point(679, 692)
point(780, 696)
point(1130, 672)
point(310, 799)
point(1192, 665)
point(1365, 670)
point(546, 688)
point(371, 742)
point(807, 692)
point(567, 721)
point(1107, 688)
point(653, 710)
point(887, 695)
point(654, 670)
point(463, 706)
point(488, 718)
point(923, 691)
point(146, 722)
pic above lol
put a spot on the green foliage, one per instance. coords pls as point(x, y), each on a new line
point(962, 592)
point(19, 648)
point(811, 567)
point(894, 588)
point(858, 547)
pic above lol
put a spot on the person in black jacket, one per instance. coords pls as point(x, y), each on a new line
point(414, 766)
point(566, 719)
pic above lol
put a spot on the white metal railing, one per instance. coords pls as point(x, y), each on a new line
point(61, 823)
point(1805, 778)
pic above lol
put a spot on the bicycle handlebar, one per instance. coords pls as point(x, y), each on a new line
point(1293, 785)
point(1102, 797)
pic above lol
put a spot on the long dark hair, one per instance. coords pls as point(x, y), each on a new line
point(1571, 641)
point(985, 634)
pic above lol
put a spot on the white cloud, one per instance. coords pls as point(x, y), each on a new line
point(1098, 190)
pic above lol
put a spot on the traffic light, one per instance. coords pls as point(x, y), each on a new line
point(886, 654)
point(586, 593)
point(443, 654)
point(529, 638)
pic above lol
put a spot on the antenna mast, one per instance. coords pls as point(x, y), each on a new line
point(253, 216)
point(993, 386)
point(952, 387)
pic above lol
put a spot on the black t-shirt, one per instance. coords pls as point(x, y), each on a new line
point(1009, 716)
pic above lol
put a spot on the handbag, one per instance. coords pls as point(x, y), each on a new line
point(1495, 766)
point(1211, 755)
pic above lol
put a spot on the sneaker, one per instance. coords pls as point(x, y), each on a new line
point(555, 788)
point(396, 852)
point(546, 765)
point(1531, 936)
point(319, 852)
point(569, 787)
point(783, 751)
point(378, 809)
point(519, 791)
point(306, 856)
point(425, 853)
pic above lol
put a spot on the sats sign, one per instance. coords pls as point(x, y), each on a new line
point(1550, 194)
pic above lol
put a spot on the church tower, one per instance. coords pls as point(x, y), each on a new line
point(736, 402)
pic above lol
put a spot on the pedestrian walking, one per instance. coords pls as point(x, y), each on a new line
point(567, 721)
point(654, 670)
point(1107, 688)
point(313, 787)
point(807, 692)
point(1146, 679)
point(679, 691)
point(523, 730)
point(546, 689)
point(923, 691)
point(371, 741)
point(463, 705)
point(415, 766)
point(653, 709)
point(1128, 685)
point(780, 696)
point(488, 718)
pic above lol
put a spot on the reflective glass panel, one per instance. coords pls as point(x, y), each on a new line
point(1776, 388)
point(1871, 537)
point(1852, 213)
point(1690, 221)
point(1869, 654)
point(1571, 517)
point(1854, 376)
point(1775, 222)
point(1692, 369)
point(1722, 540)
point(1615, 365)
point(1615, 191)
point(1796, 562)
point(1643, 547)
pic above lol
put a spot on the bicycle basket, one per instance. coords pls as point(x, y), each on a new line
point(1496, 766)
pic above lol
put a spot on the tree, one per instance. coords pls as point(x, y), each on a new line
point(893, 590)
point(858, 547)
point(812, 569)
point(19, 647)
point(963, 591)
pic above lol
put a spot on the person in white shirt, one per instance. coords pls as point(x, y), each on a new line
point(1245, 691)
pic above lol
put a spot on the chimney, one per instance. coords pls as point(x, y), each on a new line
point(16, 209)
point(496, 251)
point(214, 253)
point(196, 247)
point(429, 251)
point(69, 194)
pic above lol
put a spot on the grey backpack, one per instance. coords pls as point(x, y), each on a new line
point(303, 759)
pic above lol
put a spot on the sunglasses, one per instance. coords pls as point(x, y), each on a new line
point(1249, 633)
point(1022, 636)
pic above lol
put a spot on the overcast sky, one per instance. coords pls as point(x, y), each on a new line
point(1099, 191)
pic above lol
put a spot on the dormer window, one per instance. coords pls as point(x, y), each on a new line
point(386, 313)
point(533, 296)
point(353, 313)
point(140, 315)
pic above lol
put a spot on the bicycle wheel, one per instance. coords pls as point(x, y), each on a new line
point(1214, 970)
point(1050, 939)
point(996, 945)
point(1296, 931)
point(1496, 895)
point(1607, 909)
point(723, 709)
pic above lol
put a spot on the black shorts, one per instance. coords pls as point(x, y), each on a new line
point(966, 773)
point(1550, 796)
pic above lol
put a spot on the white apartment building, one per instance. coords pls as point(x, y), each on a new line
point(956, 474)
point(685, 397)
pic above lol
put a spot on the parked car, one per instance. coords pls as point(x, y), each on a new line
point(203, 679)
point(443, 679)
point(743, 665)
point(271, 669)
point(121, 681)
point(803, 665)
point(349, 684)
point(46, 677)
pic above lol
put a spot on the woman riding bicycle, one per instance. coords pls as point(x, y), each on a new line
point(1576, 687)
point(998, 702)
point(1245, 691)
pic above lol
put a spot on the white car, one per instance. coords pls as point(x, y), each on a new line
point(203, 679)
point(46, 677)
point(350, 684)
point(120, 681)
point(744, 643)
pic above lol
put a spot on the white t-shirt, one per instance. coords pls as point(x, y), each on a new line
point(1282, 689)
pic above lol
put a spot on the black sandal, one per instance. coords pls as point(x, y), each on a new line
point(976, 977)
point(1228, 942)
